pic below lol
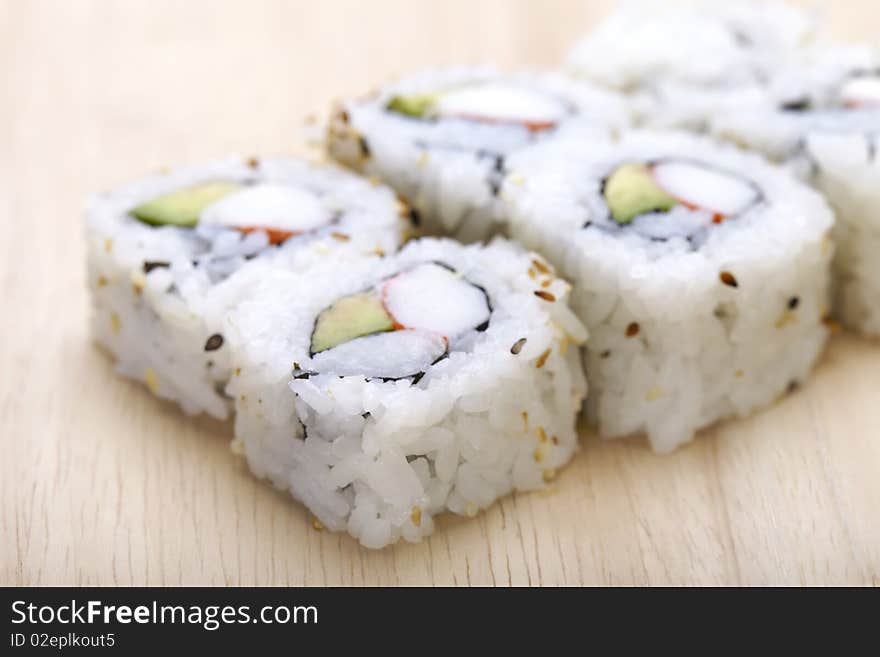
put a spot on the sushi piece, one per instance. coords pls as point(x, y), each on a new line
point(700, 272)
point(441, 138)
point(680, 63)
point(169, 255)
point(396, 388)
point(827, 130)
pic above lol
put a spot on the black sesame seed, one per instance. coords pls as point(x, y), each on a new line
point(365, 147)
point(517, 346)
point(605, 354)
point(797, 105)
point(214, 342)
point(482, 327)
point(793, 303)
point(414, 217)
point(150, 265)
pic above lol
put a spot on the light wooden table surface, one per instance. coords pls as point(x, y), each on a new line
point(102, 484)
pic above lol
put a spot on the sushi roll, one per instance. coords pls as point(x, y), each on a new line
point(168, 255)
point(441, 138)
point(393, 389)
point(827, 130)
point(680, 63)
point(700, 272)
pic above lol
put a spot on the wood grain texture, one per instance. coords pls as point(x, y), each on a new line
point(102, 484)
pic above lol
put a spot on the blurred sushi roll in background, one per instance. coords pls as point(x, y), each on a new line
point(701, 273)
point(391, 389)
point(681, 63)
point(170, 254)
point(826, 128)
point(441, 138)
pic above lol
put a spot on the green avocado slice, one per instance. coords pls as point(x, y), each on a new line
point(630, 191)
point(183, 207)
point(415, 105)
point(349, 318)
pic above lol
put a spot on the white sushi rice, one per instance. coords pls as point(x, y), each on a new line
point(380, 458)
point(689, 321)
point(160, 293)
point(680, 63)
point(449, 169)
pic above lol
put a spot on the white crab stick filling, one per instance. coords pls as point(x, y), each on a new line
point(270, 206)
point(862, 91)
point(391, 355)
point(503, 103)
point(700, 187)
point(428, 306)
point(433, 298)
